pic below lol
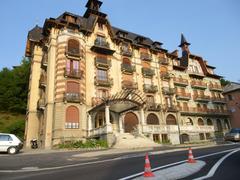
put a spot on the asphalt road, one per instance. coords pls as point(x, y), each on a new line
point(111, 166)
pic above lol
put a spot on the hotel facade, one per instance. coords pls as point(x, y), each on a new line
point(92, 80)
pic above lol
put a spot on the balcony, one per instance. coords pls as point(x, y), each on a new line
point(165, 76)
point(215, 87)
point(183, 96)
point(145, 56)
point(102, 63)
point(168, 91)
point(149, 88)
point(43, 81)
point(73, 73)
point(103, 83)
point(126, 52)
point(195, 74)
point(153, 107)
point(102, 47)
point(73, 97)
point(218, 100)
point(128, 68)
point(180, 82)
point(199, 85)
point(148, 72)
point(170, 108)
point(163, 61)
point(201, 98)
point(129, 84)
point(219, 112)
point(44, 61)
point(41, 104)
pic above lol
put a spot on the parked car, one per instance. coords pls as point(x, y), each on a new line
point(233, 135)
point(10, 143)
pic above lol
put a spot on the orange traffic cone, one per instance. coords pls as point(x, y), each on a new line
point(190, 156)
point(147, 168)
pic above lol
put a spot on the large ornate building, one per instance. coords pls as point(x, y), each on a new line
point(92, 80)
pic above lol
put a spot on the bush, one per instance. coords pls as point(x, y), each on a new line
point(17, 128)
point(91, 143)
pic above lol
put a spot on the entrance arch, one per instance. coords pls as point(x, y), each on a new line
point(171, 120)
point(130, 122)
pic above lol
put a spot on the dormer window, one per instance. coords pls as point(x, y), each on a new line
point(70, 19)
point(73, 48)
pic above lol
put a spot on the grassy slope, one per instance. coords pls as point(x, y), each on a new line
point(7, 120)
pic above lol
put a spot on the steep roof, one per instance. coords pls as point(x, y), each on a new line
point(35, 34)
point(233, 86)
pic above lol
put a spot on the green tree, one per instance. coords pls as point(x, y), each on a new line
point(14, 88)
point(224, 82)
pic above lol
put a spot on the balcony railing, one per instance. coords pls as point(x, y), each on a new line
point(126, 52)
point(165, 76)
point(201, 98)
point(149, 88)
point(103, 83)
point(180, 81)
point(102, 47)
point(160, 129)
point(129, 84)
point(146, 56)
point(163, 61)
point(73, 97)
point(102, 63)
point(41, 104)
point(218, 100)
point(43, 81)
point(183, 96)
point(199, 85)
point(73, 73)
point(202, 111)
point(170, 108)
point(73, 52)
point(98, 131)
point(153, 107)
point(215, 87)
point(168, 91)
point(127, 68)
point(148, 72)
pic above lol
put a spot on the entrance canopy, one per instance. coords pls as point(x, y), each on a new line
point(122, 101)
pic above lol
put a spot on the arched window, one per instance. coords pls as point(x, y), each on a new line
point(152, 119)
point(209, 122)
point(189, 122)
point(72, 118)
point(200, 122)
point(171, 120)
point(73, 47)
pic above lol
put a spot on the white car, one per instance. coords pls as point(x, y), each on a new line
point(10, 143)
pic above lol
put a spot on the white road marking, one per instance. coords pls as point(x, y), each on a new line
point(215, 167)
point(179, 162)
point(107, 160)
point(29, 168)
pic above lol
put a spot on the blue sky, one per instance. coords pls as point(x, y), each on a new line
point(211, 26)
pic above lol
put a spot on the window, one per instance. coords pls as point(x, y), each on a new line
point(102, 93)
point(102, 75)
point(201, 136)
point(72, 67)
point(5, 138)
point(230, 97)
point(171, 120)
point(72, 87)
point(152, 119)
point(72, 118)
point(126, 61)
point(73, 47)
point(209, 122)
point(200, 122)
point(150, 99)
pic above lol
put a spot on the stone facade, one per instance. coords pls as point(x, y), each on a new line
point(91, 80)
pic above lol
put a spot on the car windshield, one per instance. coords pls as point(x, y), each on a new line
point(235, 131)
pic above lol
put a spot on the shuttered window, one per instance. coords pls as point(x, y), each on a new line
point(72, 118)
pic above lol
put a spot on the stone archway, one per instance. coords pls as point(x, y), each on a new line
point(130, 122)
point(152, 119)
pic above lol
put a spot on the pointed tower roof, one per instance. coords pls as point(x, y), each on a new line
point(183, 41)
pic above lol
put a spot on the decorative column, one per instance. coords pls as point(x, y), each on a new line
point(107, 117)
point(142, 120)
point(89, 124)
point(121, 124)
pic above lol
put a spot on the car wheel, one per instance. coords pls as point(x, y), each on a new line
point(12, 150)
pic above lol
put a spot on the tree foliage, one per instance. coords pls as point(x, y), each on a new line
point(224, 82)
point(14, 88)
